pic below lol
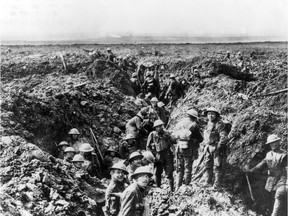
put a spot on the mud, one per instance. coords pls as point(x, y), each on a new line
point(41, 102)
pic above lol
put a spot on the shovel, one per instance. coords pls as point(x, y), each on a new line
point(250, 190)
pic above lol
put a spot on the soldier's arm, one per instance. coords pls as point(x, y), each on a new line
point(258, 166)
point(222, 134)
point(128, 204)
point(149, 142)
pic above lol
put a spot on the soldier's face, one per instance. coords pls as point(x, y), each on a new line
point(70, 154)
point(275, 145)
point(137, 161)
point(159, 128)
point(153, 103)
point(211, 116)
point(78, 164)
point(143, 180)
point(118, 175)
point(74, 136)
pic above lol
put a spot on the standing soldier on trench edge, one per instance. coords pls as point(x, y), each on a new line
point(215, 139)
point(159, 144)
point(276, 161)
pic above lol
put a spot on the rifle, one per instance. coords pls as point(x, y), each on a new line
point(177, 159)
point(271, 93)
point(250, 190)
point(96, 143)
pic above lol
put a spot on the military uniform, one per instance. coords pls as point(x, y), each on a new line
point(135, 125)
point(150, 85)
point(136, 85)
point(188, 153)
point(126, 149)
point(159, 144)
point(277, 177)
point(112, 206)
point(174, 91)
point(215, 138)
point(132, 201)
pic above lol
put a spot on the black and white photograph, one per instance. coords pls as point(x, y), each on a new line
point(143, 108)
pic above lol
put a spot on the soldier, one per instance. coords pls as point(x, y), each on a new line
point(162, 112)
point(150, 85)
point(115, 189)
point(188, 144)
point(135, 161)
point(276, 161)
point(140, 73)
point(111, 58)
point(133, 201)
point(152, 114)
point(135, 126)
point(69, 153)
point(215, 139)
point(141, 101)
point(135, 84)
point(128, 146)
point(61, 148)
point(174, 91)
point(78, 161)
point(159, 144)
point(91, 163)
point(75, 140)
point(109, 159)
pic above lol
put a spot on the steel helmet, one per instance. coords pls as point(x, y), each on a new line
point(63, 143)
point(172, 75)
point(211, 109)
point(134, 74)
point(160, 104)
point(157, 123)
point(78, 158)
point(154, 99)
point(129, 136)
point(86, 147)
point(142, 170)
point(149, 156)
point(134, 155)
point(272, 138)
point(108, 49)
point(111, 149)
point(193, 112)
point(69, 149)
point(119, 166)
point(74, 131)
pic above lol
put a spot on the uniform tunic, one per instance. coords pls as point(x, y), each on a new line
point(132, 201)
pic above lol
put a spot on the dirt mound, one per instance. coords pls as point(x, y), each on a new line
point(41, 102)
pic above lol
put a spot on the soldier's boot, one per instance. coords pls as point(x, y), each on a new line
point(208, 175)
point(217, 181)
point(171, 184)
point(276, 207)
point(179, 180)
point(158, 181)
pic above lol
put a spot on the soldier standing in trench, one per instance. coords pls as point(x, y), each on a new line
point(159, 144)
point(135, 126)
point(276, 161)
point(75, 140)
point(174, 91)
point(187, 146)
point(61, 148)
point(128, 146)
point(115, 189)
point(215, 139)
point(133, 201)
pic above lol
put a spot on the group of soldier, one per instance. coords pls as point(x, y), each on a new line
point(148, 150)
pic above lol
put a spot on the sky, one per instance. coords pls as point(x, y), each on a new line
point(88, 19)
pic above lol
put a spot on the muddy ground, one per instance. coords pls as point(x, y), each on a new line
point(41, 101)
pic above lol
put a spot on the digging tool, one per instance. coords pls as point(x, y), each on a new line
point(63, 61)
point(250, 190)
point(96, 143)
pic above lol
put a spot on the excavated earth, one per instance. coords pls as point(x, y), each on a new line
point(41, 101)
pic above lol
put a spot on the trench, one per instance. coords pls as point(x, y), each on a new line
point(50, 105)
